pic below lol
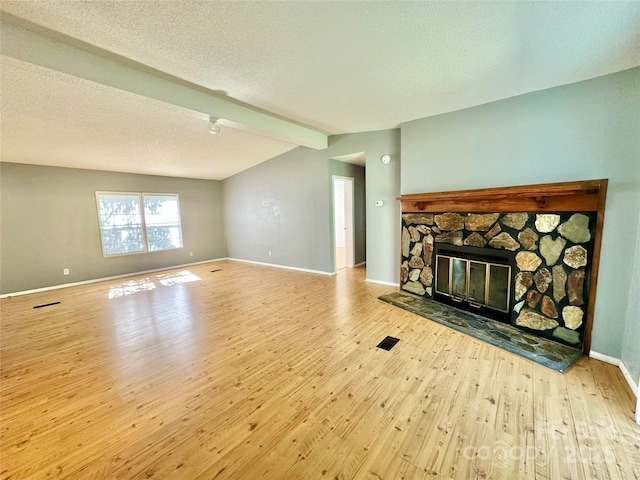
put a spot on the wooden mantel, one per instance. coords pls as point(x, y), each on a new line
point(579, 196)
point(582, 196)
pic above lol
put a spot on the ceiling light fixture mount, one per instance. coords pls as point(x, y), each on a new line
point(214, 126)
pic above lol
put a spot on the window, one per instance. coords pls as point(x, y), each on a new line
point(138, 222)
point(120, 223)
point(162, 218)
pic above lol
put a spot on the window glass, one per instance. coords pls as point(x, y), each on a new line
point(120, 223)
point(162, 218)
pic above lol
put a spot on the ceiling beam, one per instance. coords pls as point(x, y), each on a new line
point(34, 44)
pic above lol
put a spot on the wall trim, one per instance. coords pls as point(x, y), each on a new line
point(286, 267)
point(620, 364)
point(627, 375)
point(381, 282)
point(114, 277)
point(360, 264)
point(104, 279)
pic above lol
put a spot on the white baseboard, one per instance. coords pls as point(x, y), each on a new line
point(360, 264)
point(605, 358)
point(306, 270)
point(104, 279)
point(381, 282)
point(629, 378)
point(114, 277)
point(620, 364)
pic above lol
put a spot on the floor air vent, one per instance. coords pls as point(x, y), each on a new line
point(47, 304)
point(388, 343)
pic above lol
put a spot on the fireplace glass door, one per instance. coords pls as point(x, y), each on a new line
point(479, 283)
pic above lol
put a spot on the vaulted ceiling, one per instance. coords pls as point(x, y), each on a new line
point(129, 86)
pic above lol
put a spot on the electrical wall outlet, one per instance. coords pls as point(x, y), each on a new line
point(65, 271)
point(269, 252)
point(191, 254)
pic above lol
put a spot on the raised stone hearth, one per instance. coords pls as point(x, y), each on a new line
point(532, 347)
point(549, 238)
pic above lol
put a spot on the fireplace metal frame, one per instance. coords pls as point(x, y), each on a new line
point(487, 282)
point(502, 258)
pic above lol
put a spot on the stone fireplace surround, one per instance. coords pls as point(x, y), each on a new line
point(554, 231)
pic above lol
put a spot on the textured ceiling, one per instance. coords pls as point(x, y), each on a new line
point(339, 67)
point(55, 119)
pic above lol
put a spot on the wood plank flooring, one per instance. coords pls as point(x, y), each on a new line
point(254, 372)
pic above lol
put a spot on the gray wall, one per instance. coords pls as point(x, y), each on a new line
point(356, 172)
point(631, 343)
point(281, 206)
point(49, 222)
point(284, 205)
point(383, 183)
point(586, 130)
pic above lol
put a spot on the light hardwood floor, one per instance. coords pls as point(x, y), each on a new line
point(256, 372)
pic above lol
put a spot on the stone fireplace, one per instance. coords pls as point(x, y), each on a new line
point(527, 256)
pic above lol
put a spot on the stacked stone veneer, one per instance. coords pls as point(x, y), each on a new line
point(552, 251)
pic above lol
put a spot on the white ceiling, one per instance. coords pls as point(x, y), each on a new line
point(55, 119)
point(337, 67)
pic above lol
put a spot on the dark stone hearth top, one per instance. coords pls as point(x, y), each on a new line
point(532, 347)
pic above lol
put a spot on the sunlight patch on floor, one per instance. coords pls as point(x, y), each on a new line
point(145, 284)
point(132, 286)
point(168, 279)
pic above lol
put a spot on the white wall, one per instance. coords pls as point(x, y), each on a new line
point(339, 211)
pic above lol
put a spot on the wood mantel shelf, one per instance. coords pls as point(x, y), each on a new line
point(585, 196)
point(579, 196)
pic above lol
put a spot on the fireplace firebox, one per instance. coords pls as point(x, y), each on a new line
point(474, 279)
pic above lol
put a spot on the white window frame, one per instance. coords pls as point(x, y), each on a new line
point(143, 224)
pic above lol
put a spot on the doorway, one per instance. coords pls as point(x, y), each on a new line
point(344, 240)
